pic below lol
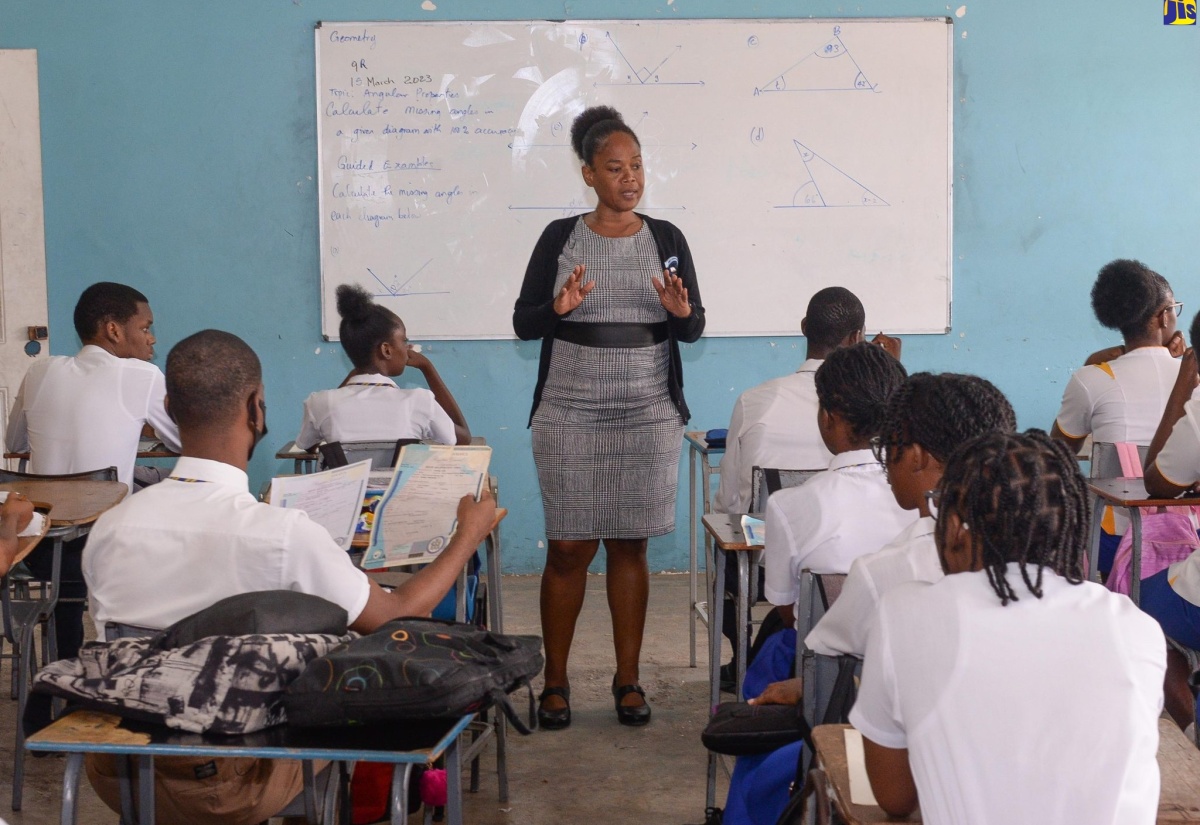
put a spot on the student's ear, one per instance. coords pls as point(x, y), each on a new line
point(923, 460)
point(957, 547)
point(856, 337)
point(167, 407)
point(804, 326)
point(111, 331)
point(589, 175)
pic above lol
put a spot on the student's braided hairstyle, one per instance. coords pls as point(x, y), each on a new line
point(833, 314)
point(1126, 296)
point(1023, 499)
point(594, 126)
point(1194, 331)
point(365, 324)
point(856, 382)
point(940, 412)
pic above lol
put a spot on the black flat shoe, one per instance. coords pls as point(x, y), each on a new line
point(636, 715)
point(554, 719)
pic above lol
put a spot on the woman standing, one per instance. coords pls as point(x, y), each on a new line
point(610, 293)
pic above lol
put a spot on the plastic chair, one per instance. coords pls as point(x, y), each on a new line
point(767, 480)
point(383, 454)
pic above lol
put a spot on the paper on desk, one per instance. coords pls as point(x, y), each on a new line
point(332, 498)
point(856, 761)
point(36, 521)
point(755, 530)
point(419, 512)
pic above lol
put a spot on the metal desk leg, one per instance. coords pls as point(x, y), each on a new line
point(146, 790)
point(743, 620)
point(454, 800)
point(496, 609)
point(693, 569)
point(125, 779)
point(717, 578)
point(1093, 571)
point(70, 787)
point(400, 776)
point(1135, 583)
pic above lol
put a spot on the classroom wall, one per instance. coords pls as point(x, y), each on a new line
point(179, 156)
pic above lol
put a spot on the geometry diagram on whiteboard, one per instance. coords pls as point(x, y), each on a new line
point(650, 73)
point(829, 68)
point(396, 285)
point(827, 185)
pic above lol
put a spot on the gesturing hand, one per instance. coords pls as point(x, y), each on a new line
point(673, 294)
point(1176, 346)
point(573, 291)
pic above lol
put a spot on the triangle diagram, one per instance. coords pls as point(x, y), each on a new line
point(829, 68)
point(828, 185)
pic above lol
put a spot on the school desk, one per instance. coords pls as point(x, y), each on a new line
point(725, 530)
point(402, 744)
point(147, 448)
point(1129, 494)
point(305, 460)
point(1178, 764)
point(700, 471)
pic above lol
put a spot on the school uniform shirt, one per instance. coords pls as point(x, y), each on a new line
point(911, 556)
point(1179, 463)
point(200, 536)
point(1120, 400)
point(773, 425)
point(826, 523)
point(86, 412)
point(374, 408)
point(1041, 710)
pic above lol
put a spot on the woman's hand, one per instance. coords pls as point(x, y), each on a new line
point(787, 692)
point(418, 360)
point(573, 291)
point(1177, 346)
point(673, 294)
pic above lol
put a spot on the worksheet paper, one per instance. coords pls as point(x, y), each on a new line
point(332, 498)
point(419, 512)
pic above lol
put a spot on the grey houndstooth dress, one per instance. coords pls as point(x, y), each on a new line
point(606, 436)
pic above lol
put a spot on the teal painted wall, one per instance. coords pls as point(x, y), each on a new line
point(179, 155)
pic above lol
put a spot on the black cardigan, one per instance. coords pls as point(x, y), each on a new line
point(534, 315)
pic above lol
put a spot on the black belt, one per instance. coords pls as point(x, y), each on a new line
point(612, 335)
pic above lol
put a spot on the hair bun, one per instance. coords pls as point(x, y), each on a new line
point(353, 302)
point(586, 120)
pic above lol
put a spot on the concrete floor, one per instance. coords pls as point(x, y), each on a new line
point(595, 771)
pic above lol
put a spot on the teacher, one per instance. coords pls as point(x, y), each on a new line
point(611, 294)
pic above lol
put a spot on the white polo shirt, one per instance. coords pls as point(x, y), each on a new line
point(1121, 400)
point(374, 408)
point(773, 425)
point(1042, 710)
point(86, 412)
point(826, 523)
point(1179, 463)
point(911, 556)
point(199, 536)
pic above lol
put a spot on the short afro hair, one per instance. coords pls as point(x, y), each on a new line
point(1127, 294)
point(209, 374)
point(833, 313)
point(105, 301)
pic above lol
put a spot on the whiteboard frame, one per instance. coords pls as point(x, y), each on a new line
point(329, 335)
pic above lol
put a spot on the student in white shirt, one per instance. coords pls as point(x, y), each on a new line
point(1122, 400)
point(847, 510)
point(1173, 468)
point(928, 418)
point(369, 405)
point(86, 412)
point(967, 679)
point(200, 536)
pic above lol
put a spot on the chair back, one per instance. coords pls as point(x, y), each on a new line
point(1112, 460)
point(767, 480)
point(828, 680)
point(105, 474)
point(383, 454)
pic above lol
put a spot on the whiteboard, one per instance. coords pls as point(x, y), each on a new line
point(793, 155)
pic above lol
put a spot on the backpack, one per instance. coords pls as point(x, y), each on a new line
point(415, 669)
point(219, 684)
point(1166, 538)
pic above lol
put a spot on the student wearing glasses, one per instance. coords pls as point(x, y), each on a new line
point(1122, 400)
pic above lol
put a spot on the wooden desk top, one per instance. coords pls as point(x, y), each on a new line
point(726, 531)
point(1178, 763)
point(290, 452)
point(1131, 492)
point(147, 448)
point(419, 741)
point(75, 501)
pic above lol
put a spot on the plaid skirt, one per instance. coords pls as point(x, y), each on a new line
point(606, 442)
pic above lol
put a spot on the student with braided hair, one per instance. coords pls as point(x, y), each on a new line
point(1012, 690)
point(848, 509)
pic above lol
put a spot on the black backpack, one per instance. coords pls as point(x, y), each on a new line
point(415, 669)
